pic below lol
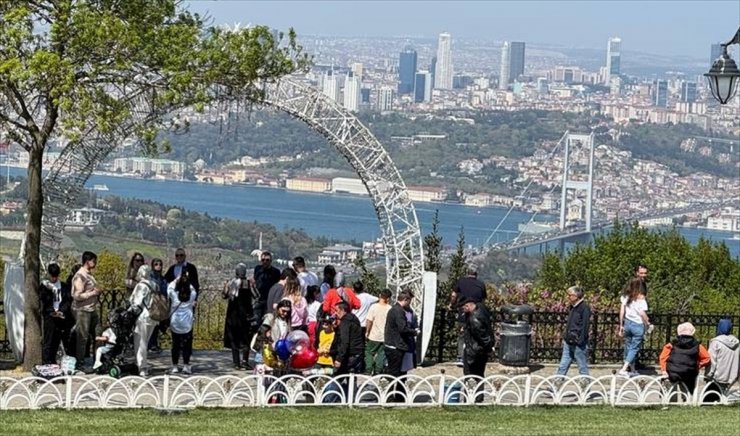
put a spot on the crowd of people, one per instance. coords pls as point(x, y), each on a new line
point(343, 328)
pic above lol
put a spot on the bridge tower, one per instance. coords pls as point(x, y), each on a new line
point(579, 152)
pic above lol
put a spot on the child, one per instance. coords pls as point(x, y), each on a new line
point(108, 338)
point(313, 298)
point(182, 299)
point(323, 343)
point(682, 358)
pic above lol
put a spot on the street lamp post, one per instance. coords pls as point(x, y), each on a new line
point(724, 75)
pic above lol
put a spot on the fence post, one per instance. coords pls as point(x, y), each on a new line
point(595, 336)
point(351, 390)
point(68, 393)
point(441, 335)
point(442, 388)
point(668, 328)
point(166, 392)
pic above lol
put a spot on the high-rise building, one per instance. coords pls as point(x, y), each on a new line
point(443, 70)
point(688, 92)
point(716, 52)
point(385, 99)
point(357, 69)
point(542, 87)
point(423, 90)
point(365, 95)
point(503, 78)
point(331, 85)
point(660, 93)
point(406, 70)
point(516, 60)
point(613, 59)
point(433, 68)
point(352, 92)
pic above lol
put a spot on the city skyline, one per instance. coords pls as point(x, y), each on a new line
point(594, 22)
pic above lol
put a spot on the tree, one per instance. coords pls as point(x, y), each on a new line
point(368, 277)
point(123, 68)
point(433, 247)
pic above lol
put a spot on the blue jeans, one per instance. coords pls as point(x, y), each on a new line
point(580, 354)
point(633, 334)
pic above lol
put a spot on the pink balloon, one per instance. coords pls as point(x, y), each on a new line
point(304, 359)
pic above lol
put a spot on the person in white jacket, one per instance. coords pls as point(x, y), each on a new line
point(724, 351)
point(142, 297)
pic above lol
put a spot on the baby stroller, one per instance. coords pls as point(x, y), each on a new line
point(120, 334)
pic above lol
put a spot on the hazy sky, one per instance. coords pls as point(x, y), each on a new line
point(670, 27)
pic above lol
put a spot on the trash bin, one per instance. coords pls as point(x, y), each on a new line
point(516, 336)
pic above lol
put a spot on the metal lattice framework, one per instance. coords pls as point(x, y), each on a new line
point(78, 392)
point(398, 222)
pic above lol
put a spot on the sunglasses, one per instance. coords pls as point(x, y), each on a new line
point(180, 255)
point(266, 260)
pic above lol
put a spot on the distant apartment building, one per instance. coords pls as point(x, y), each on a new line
point(503, 77)
point(478, 200)
point(348, 186)
point(728, 220)
point(143, 165)
point(352, 96)
point(308, 184)
point(338, 254)
point(426, 193)
point(613, 59)
point(385, 99)
point(406, 71)
point(423, 87)
point(331, 86)
point(443, 68)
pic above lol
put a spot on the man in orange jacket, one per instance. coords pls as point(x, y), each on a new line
point(682, 358)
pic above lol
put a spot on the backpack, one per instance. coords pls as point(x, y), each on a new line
point(159, 306)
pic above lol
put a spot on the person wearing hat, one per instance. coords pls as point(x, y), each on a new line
point(682, 358)
point(468, 288)
point(724, 350)
point(239, 314)
point(478, 337)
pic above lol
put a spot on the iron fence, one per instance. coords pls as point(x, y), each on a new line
point(605, 344)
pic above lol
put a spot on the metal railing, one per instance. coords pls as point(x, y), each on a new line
point(605, 344)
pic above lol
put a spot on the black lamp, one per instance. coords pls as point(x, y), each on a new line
point(724, 75)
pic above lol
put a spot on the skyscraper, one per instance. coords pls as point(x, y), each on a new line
point(385, 99)
point(716, 52)
point(423, 90)
point(443, 70)
point(660, 93)
point(613, 58)
point(352, 92)
point(688, 92)
point(357, 69)
point(503, 78)
point(331, 85)
point(406, 71)
point(516, 60)
point(433, 68)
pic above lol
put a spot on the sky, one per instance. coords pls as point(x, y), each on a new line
point(667, 27)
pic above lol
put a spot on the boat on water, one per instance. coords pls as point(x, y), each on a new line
point(736, 236)
point(100, 188)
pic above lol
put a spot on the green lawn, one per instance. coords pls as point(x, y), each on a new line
point(470, 421)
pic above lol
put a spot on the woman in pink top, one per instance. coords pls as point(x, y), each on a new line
point(299, 311)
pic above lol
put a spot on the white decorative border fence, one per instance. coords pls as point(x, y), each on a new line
point(75, 392)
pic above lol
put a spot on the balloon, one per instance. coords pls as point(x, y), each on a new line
point(305, 358)
point(282, 349)
point(297, 340)
point(268, 356)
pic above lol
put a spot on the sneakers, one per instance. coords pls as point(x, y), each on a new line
point(623, 373)
point(187, 370)
point(143, 373)
point(175, 370)
point(634, 374)
point(459, 363)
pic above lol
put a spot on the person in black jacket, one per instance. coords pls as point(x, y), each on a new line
point(180, 267)
point(575, 342)
point(56, 308)
point(348, 348)
point(478, 337)
point(398, 332)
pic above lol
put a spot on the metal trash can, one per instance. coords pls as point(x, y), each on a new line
point(516, 335)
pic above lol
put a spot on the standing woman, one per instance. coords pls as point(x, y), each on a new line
point(313, 297)
point(238, 314)
point(142, 297)
point(137, 260)
point(299, 311)
point(328, 280)
point(635, 323)
point(160, 328)
point(182, 300)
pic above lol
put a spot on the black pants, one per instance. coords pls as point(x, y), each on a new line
point(475, 365)
point(56, 331)
point(395, 360)
point(182, 343)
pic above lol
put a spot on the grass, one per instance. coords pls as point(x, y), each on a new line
point(341, 421)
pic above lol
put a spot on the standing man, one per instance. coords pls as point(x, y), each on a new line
point(366, 302)
point(305, 277)
point(575, 344)
point(182, 266)
point(56, 303)
point(375, 328)
point(348, 348)
point(469, 288)
point(478, 337)
point(85, 294)
point(265, 276)
point(398, 333)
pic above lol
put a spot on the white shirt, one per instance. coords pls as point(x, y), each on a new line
point(181, 312)
point(306, 279)
point(632, 310)
point(366, 300)
point(313, 311)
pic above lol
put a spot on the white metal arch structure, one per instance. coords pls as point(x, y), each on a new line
point(395, 211)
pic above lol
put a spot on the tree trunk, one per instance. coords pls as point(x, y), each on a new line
point(31, 260)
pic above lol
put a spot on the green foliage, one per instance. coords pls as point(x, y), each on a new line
point(110, 271)
point(433, 247)
point(368, 277)
point(702, 278)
